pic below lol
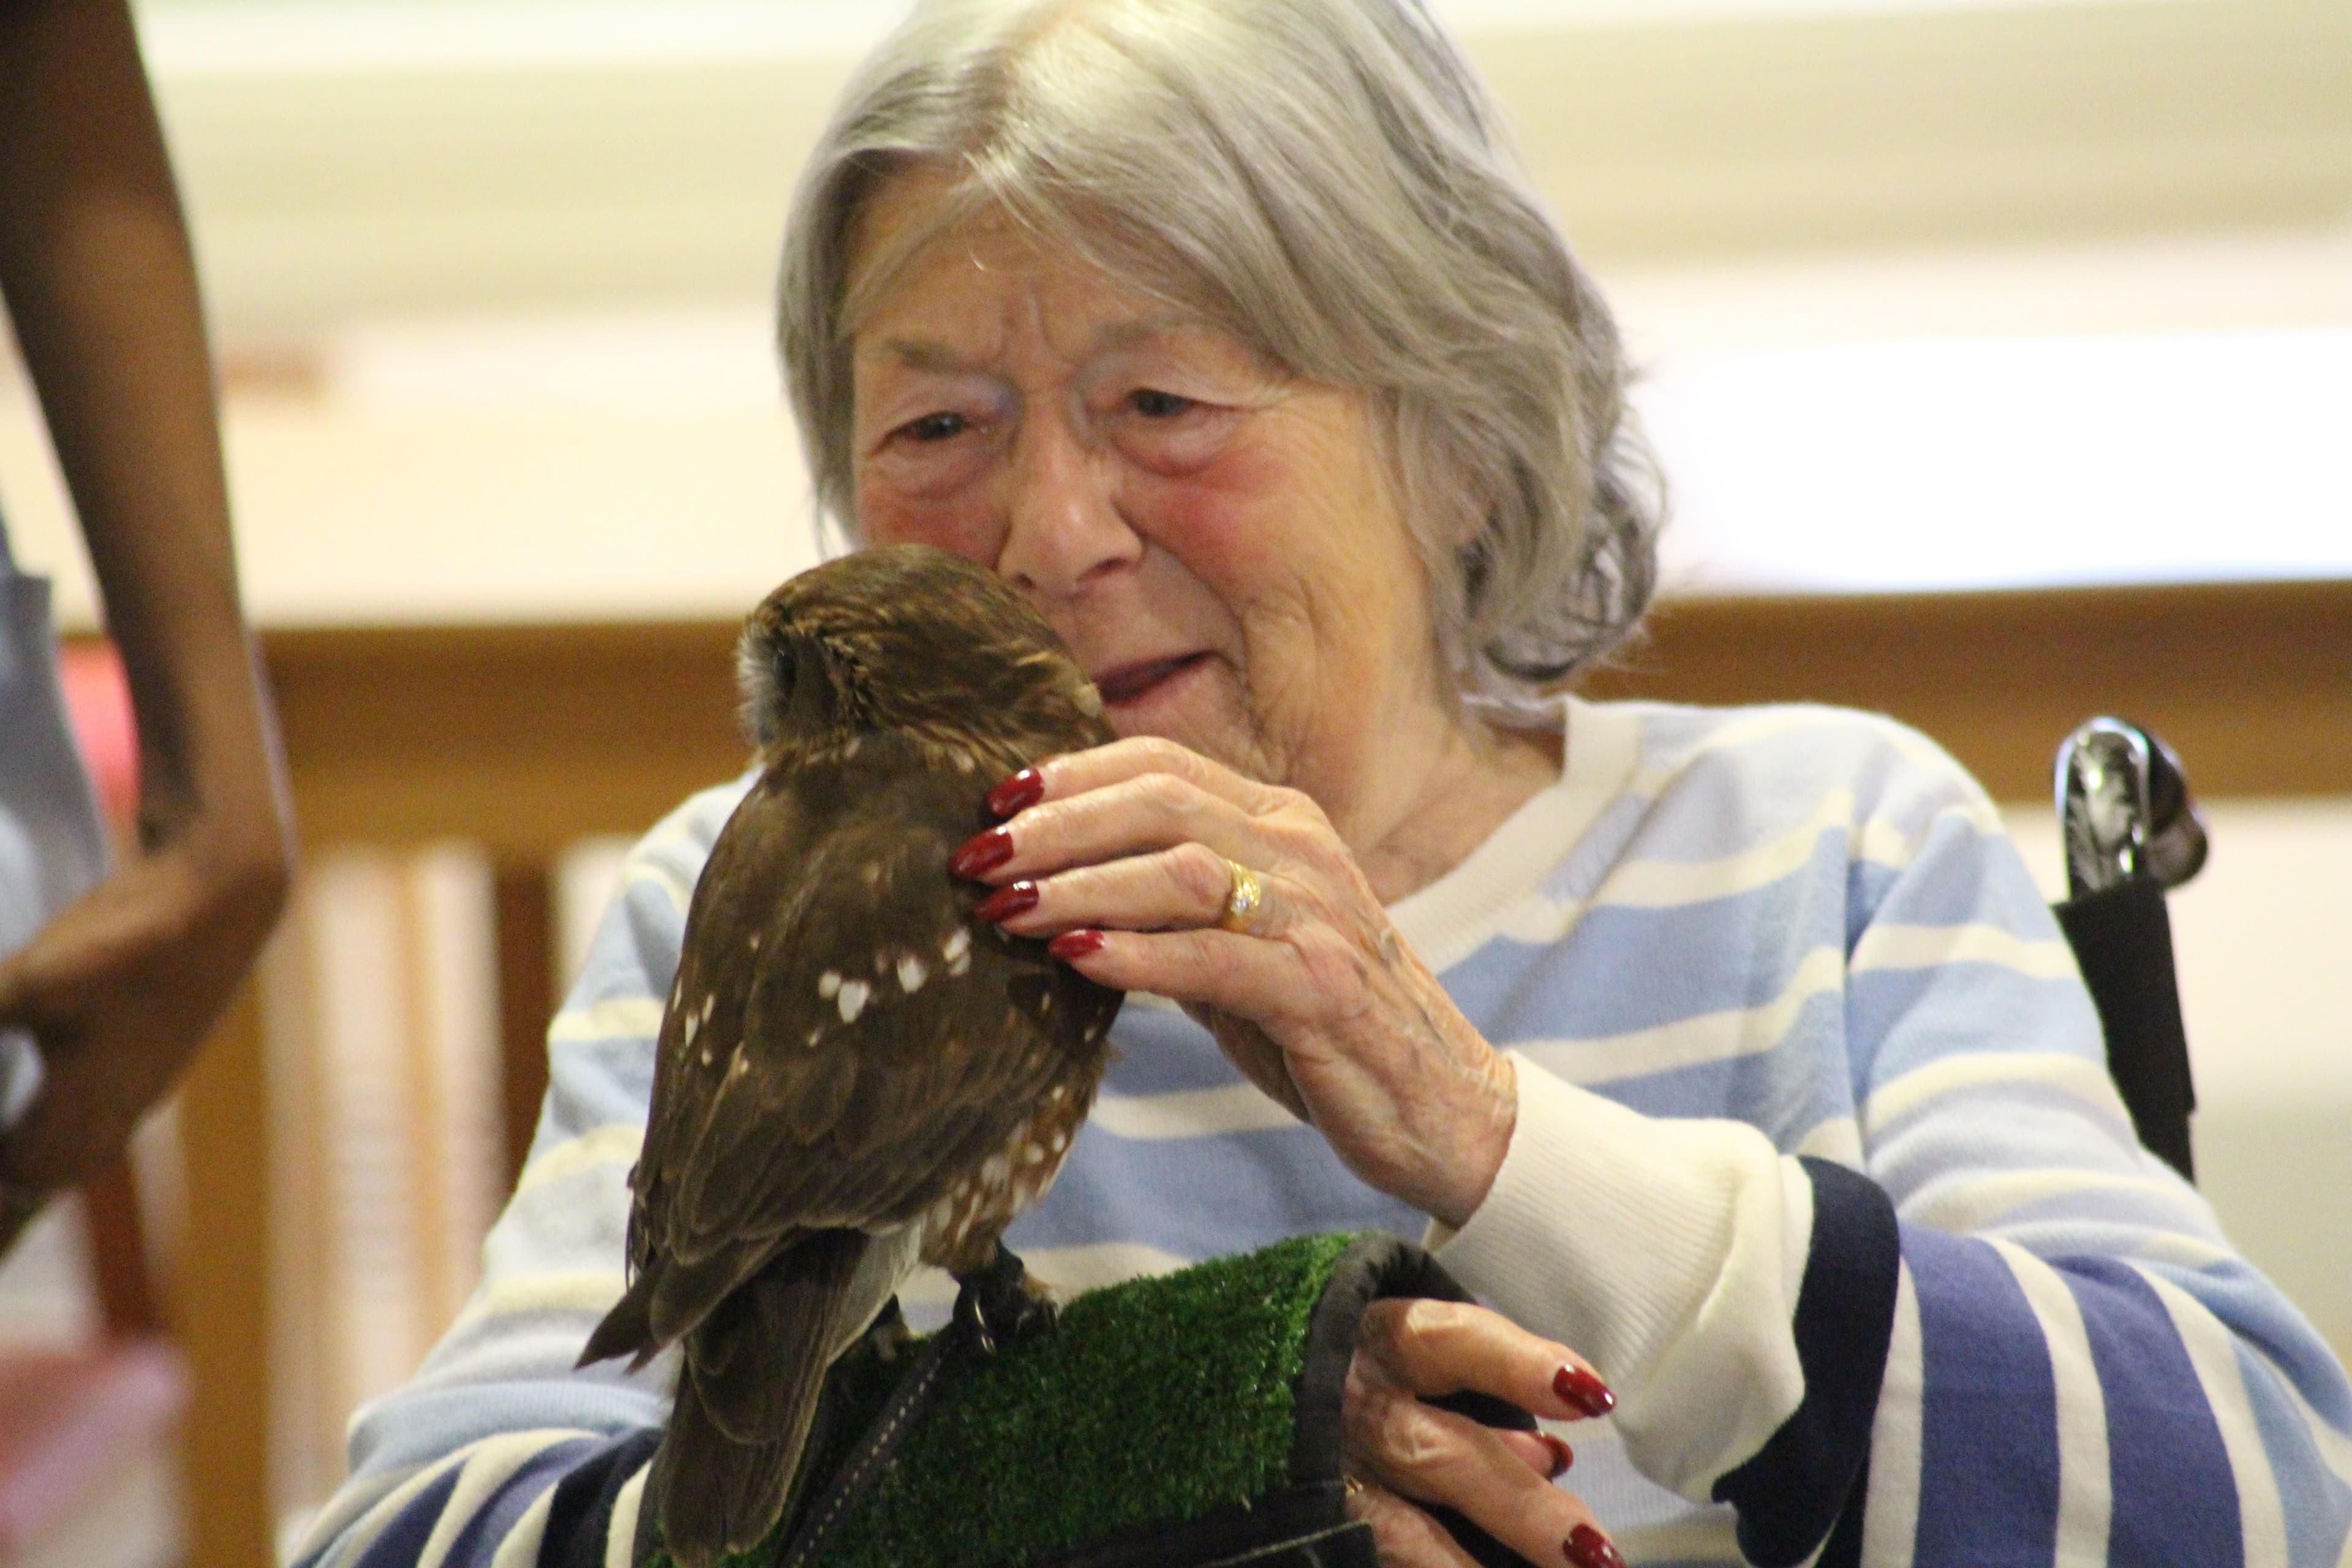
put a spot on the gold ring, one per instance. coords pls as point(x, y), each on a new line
point(1244, 898)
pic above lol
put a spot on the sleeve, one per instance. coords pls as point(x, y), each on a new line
point(1994, 1330)
point(498, 1452)
point(1739, 1302)
point(2080, 1368)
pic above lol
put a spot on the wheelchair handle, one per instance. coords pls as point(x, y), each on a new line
point(2125, 810)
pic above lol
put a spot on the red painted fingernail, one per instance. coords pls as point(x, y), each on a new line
point(1075, 945)
point(1013, 898)
point(1019, 793)
point(1588, 1548)
point(1562, 1456)
point(982, 853)
point(1584, 1390)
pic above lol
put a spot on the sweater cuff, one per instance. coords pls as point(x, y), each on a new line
point(1668, 1252)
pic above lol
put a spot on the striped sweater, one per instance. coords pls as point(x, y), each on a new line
point(1816, 1159)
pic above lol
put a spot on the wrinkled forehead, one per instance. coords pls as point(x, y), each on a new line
point(926, 243)
point(907, 222)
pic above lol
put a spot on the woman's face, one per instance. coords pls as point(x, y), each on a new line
point(1220, 546)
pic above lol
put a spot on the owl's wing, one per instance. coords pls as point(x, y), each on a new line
point(845, 1041)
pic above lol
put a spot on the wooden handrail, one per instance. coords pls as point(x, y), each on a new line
point(527, 738)
point(2251, 682)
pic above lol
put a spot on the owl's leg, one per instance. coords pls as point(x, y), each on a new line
point(1001, 1305)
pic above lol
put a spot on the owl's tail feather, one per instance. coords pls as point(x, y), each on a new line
point(731, 1454)
point(709, 1492)
point(626, 1329)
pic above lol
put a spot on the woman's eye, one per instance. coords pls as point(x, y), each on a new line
point(935, 428)
point(1158, 405)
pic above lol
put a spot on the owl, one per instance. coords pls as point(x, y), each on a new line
point(854, 1076)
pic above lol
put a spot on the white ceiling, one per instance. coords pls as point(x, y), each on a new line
point(366, 157)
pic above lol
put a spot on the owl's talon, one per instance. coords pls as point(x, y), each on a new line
point(1000, 1304)
point(889, 1333)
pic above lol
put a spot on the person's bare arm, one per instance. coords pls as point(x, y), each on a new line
point(95, 266)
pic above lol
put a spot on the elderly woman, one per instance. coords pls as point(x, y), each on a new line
point(1727, 1056)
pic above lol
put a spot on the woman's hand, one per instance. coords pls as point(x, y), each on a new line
point(1404, 1452)
point(1124, 854)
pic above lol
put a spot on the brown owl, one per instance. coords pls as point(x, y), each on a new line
point(854, 1075)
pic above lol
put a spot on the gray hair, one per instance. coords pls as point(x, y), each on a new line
point(1324, 179)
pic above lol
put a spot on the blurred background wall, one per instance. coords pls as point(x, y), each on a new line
point(1933, 295)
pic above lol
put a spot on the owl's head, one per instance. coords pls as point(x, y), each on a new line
point(904, 636)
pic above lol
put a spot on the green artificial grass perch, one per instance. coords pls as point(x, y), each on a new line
point(1152, 1403)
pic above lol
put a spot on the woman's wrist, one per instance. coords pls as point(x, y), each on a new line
point(1485, 1125)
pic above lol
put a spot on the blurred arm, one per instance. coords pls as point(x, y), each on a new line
point(99, 283)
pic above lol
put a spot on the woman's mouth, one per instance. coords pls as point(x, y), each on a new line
point(1131, 681)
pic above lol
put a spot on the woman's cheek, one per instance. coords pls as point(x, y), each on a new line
point(927, 473)
point(1229, 530)
point(958, 524)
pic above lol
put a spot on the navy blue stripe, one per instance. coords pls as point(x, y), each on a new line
point(400, 1544)
point(481, 1535)
point(1844, 1548)
point(1795, 1487)
point(1988, 1416)
point(2176, 1500)
point(581, 1516)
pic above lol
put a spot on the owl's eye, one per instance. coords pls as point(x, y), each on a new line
point(786, 688)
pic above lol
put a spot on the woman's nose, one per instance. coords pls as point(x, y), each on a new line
point(1064, 529)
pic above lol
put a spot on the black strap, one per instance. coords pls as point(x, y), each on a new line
point(875, 1450)
point(1306, 1527)
point(2123, 940)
